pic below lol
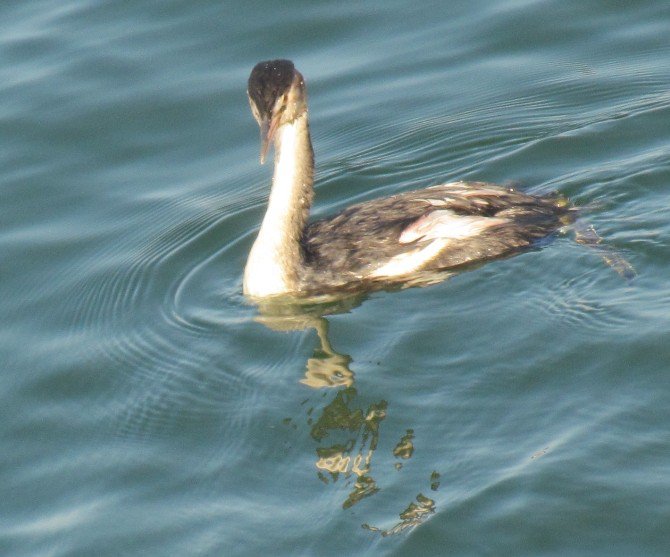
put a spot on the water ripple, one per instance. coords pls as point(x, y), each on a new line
point(142, 308)
point(577, 301)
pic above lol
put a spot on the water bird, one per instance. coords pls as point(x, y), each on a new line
point(402, 239)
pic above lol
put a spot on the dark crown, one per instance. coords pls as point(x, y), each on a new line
point(267, 81)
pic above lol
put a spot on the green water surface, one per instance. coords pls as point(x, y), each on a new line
point(520, 408)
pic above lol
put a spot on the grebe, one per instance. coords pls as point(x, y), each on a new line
point(378, 243)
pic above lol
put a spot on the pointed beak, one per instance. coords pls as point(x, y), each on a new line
point(268, 129)
point(265, 138)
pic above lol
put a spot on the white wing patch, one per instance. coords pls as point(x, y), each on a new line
point(407, 263)
point(442, 227)
point(447, 225)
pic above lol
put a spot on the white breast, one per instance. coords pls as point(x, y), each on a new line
point(266, 271)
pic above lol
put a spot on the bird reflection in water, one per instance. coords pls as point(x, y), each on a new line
point(347, 433)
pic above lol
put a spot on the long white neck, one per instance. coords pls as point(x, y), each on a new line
point(275, 258)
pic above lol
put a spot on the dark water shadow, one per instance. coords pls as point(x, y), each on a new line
point(346, 432)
